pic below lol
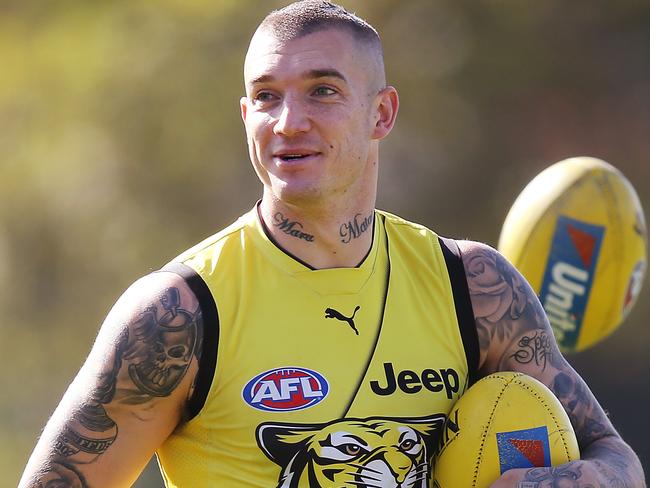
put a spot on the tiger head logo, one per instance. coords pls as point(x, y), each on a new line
point(360, 453)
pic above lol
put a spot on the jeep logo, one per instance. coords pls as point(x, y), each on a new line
point(411, 382)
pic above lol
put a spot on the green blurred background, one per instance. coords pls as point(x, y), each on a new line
point(121, 145)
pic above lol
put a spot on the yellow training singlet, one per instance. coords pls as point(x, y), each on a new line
point(323, 378)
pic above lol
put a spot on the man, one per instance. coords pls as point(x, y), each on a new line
point(316, 341)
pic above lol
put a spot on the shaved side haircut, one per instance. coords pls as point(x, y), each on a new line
point(308, 16)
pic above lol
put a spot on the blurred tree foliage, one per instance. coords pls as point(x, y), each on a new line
point(121, 145)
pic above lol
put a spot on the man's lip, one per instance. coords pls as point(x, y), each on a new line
point(307, 158)
point(294, 152)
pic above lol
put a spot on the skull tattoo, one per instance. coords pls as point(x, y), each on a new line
point(163, 347)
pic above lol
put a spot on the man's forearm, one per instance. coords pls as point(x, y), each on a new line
point(615, 461)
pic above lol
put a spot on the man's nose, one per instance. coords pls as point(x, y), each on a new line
point(293, 118)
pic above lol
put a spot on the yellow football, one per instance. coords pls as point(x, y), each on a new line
point(504, 421)
point(578, 234)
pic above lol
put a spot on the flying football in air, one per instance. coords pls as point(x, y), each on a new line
point(577, 232)
point(504, 421)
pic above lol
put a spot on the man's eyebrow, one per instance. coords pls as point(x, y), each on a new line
point(262, 79)
point(325, 73)
point(310, 75)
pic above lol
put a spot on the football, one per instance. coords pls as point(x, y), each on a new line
point(577, 233)
point(504, 421)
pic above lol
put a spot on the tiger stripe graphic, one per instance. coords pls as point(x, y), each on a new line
point(351, 452)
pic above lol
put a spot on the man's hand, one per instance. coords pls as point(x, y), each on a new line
point(577, 474)
point(607, 469)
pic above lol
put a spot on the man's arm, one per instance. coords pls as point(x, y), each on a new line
point(515, 335)
point(130, 393)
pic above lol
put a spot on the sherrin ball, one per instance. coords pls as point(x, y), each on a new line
point(578, 234)
point(504, 421)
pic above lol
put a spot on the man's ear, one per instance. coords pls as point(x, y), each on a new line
point(243, 107)
point(387, 106)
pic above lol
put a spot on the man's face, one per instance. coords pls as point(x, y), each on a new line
point(310, 113)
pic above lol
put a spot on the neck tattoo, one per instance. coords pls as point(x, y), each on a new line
point(355, 227)
point(291, 228)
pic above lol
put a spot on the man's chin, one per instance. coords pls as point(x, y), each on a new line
point(298, 195)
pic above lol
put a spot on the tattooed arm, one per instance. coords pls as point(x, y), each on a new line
point(130, 393)
point(515, 335)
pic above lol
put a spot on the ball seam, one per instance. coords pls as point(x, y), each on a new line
point(484, 434)
point(551, 414)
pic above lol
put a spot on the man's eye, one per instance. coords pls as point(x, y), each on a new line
point(263, 97)
point(323, 91)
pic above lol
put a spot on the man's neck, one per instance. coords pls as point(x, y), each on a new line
point(322, 238)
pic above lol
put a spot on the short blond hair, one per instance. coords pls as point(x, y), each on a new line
point(307, 16)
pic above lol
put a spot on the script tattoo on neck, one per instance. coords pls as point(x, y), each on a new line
point(355, 227)
point(291, 228)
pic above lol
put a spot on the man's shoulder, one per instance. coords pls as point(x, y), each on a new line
point(402, 225)
point(468, 246)
point(409, 231)
point(217, 239)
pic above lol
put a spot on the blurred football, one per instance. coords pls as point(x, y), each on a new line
point(504, 421)
point(578, 234)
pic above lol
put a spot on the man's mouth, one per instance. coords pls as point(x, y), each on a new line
point(294, 156)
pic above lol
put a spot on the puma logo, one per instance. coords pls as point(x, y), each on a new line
point(330, 313)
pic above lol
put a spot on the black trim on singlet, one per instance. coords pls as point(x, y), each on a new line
point(463, 305)
point(268, 234)
point(381, 321)
point(210, 343)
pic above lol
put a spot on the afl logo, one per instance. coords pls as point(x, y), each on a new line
point(285, 389)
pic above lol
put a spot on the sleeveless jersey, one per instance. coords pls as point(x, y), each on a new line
point(331, 377)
